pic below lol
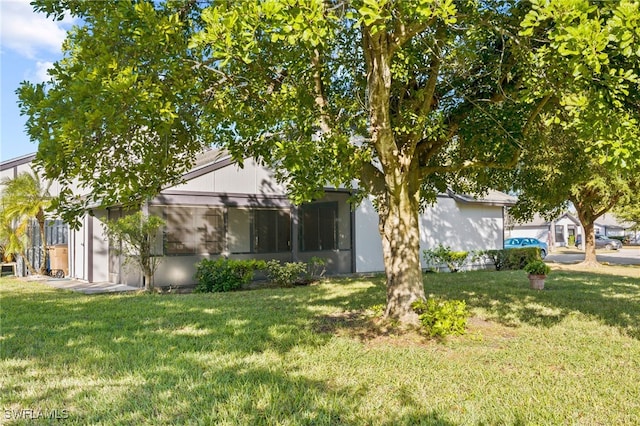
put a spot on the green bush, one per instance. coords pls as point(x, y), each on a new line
point(441, 318)
point(454, 260)
point(286, 274)
point(512, 259)
point(225, 274)
point(316, 268)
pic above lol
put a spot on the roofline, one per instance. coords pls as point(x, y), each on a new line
point(18, 161)
point(217, 164)
point(470, 200)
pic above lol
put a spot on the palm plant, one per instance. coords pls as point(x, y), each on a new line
point(24, 198)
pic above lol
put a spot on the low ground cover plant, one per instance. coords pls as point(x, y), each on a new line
point(441, 318)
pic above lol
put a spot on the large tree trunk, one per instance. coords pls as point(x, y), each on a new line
point(590, 258)
point(589, 241)
point(398, 187)
point(399, 229)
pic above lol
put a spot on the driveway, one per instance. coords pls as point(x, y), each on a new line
point(624, 256)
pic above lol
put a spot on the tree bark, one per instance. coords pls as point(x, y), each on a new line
point(398, 202)
point(400, 232)
point(589, 241)
point(43, 243)
point(590, 258)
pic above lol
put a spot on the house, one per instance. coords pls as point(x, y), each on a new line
point(221, 209)
point(609, 225)
point(559, 232)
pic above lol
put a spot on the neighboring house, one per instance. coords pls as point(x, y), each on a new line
point(222, 209)
point(559, 232)
point(609, 225)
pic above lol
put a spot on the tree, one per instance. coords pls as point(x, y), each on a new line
point(24, 198)
point(629, 209)
point(403, 98)
point(585, 147)
point(561, 171)
point(134, 236)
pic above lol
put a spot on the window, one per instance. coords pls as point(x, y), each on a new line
point(191, 230)
point(318, 227)
point(272, 231)
point(209, 230)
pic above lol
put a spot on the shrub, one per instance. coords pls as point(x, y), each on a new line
point(512, 259)
point(537, 267)
point(286, 274)
point(441, 318)
point(316, 268)
point(454, 260)
point(224, 274)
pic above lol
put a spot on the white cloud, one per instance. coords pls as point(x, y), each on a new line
point(28, 33)
point(40, 75)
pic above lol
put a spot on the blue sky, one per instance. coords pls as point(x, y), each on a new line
point(29, 44)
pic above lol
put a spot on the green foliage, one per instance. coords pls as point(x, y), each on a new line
point(438, 93)
point(286, 274)
point(147, 104)
point(377, 311)
point(24, 198)
point(441, 318)
point(512, 259)
point(455, 260)
point(134, 236)
point(628, 209)
point(316, 268)
point(587, 44)
point(537, 267)
point(222, 274)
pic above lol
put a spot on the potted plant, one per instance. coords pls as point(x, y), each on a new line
point(538, 271)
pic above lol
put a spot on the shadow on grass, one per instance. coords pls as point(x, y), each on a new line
point(506, 296)
point(207, 359)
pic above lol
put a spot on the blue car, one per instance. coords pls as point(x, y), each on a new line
point(527, 242)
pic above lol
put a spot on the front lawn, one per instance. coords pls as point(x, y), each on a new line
point(314, 355)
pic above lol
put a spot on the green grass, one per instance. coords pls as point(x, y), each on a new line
point(567, 355)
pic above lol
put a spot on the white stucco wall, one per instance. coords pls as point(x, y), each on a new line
point(460, 226)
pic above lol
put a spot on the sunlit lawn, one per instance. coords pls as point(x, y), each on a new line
point(308, 355)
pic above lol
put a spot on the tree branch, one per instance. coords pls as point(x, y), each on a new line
point(534, 113)
point(318, 88)
point(372, 178)
point(452, 168)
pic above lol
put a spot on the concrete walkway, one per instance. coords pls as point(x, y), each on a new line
point(84, 287)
